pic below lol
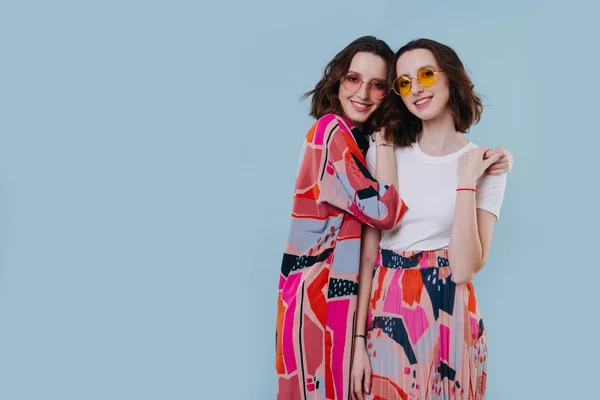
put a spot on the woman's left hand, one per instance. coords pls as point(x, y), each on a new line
point(503, 165)
point(379, 138)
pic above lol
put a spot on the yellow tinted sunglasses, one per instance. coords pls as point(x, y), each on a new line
point(425, 76)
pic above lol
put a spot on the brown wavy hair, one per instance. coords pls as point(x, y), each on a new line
point(325, 94)
point(403, 127)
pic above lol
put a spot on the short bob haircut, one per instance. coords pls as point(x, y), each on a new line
point(325, 94)
point(403, 127)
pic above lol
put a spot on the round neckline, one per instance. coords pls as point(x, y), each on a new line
point(441, 159)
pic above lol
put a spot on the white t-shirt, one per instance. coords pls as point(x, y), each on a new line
point(428, 185)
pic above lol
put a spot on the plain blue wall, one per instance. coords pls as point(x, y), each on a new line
point(147, 157)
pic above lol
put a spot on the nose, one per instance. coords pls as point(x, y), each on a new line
point(363, 92)
point(416, 87)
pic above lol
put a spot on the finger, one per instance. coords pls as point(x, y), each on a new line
point(502, 168)
point(499, 162)
point(491, 160)
point(491, 152)
point(510, 159)
point(499, 166)
point(496, 167)
point(368, 381)
point(481, 150)
point(496, 171)
point(357, 392)
point(352, 396)
point(361, 386)
point(487, 155)
point(497, 150)
point(502, 163)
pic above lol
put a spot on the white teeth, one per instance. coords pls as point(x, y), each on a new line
point(358, 105)
point(423, 101)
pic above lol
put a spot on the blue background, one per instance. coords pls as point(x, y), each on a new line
point(147, 156)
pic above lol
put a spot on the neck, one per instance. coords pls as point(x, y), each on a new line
point(354, 123)
point(438, 136)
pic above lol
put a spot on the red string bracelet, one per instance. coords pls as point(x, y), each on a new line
point(471, 189)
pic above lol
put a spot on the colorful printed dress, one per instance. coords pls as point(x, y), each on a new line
point(334, 194)
point(426, 339)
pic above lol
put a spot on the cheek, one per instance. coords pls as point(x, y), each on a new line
point(340, 94)
point(444, 96)
point(377, 104)
point(444, 89)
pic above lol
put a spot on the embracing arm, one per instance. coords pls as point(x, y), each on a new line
point(346, 182)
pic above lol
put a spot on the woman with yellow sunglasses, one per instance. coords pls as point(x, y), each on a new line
point(419, 331)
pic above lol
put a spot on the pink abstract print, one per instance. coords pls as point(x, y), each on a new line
point(334, 194)
point(426, 339)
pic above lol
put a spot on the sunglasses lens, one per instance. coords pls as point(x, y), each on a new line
point(402, 86)
point(351, 83)
point(379, 89)
point(426, 77)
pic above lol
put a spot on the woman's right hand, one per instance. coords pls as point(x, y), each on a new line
point(360, 376)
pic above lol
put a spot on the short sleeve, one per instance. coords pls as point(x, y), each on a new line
point(371, 157)
point(490, 193)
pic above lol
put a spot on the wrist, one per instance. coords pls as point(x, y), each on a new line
point(384, 145)
point(380, 139)
point(467, 182)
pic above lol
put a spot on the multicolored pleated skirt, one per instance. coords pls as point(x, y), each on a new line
point(426, 338)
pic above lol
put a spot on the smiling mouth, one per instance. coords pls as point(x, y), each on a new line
point(360, 106)
point(423, 102)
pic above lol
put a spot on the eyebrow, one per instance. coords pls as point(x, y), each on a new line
point(420, 68)
point(359, 74)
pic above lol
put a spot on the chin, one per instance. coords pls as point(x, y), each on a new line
point(425, 115)
point(360, 118)
point(357, 117)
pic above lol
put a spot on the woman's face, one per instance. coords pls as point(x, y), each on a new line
point(424, 102)
point(361, 89)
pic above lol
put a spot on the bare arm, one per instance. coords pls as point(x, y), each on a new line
point(368, 258)
point(470, 239)
point(472, 228)
point(361, 367)
point(385, 170)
